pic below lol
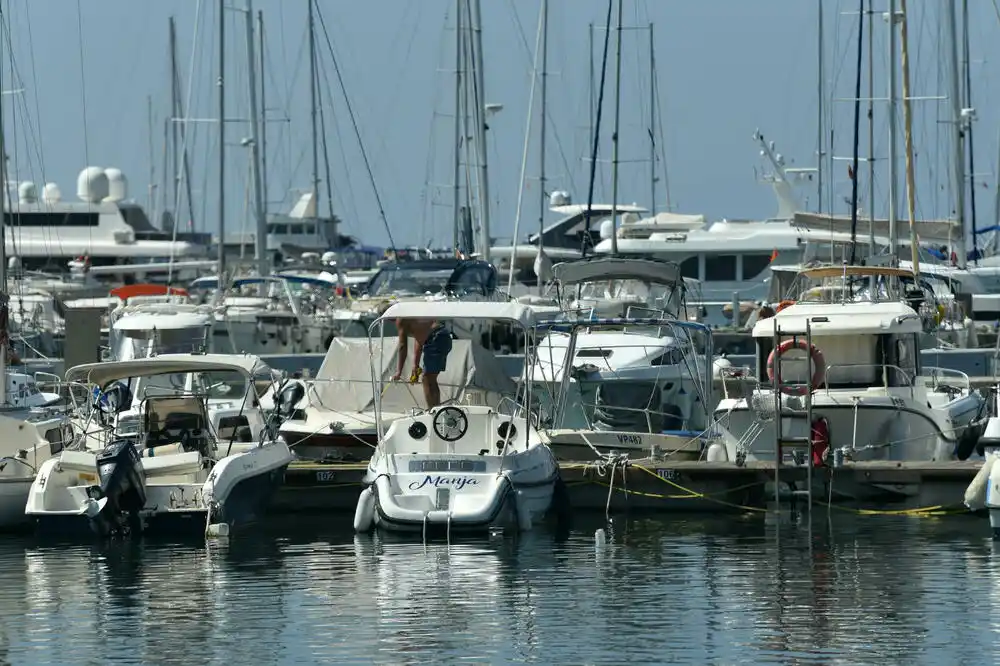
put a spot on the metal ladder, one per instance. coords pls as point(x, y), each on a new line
point(798, 443)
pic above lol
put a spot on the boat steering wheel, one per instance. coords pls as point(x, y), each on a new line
point(450, 424)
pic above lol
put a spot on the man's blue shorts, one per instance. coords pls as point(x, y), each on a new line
point(437, 346)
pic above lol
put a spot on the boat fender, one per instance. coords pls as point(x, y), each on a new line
point(217, 531)
point(967, 442)
point(975, 494)
point(282, 335)
point(818, 364)
point(820, 440)
point(364, 514)
point(261, 335)
point(716, 452)
point(992, 500)
point(297, 334)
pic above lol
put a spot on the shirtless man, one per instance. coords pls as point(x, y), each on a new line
point(432, 341)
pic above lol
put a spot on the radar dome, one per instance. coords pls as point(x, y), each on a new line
point(92, 185)
point(607, 229)
point(560, 198)
point(51, 193)
point(117, 185)
point(27, 192)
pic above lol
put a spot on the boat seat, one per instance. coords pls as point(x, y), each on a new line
point(163, 450)
point(174, 464)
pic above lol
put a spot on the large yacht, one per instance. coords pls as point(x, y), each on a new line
point(103, 226)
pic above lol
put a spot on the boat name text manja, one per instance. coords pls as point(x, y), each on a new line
point(457, 482)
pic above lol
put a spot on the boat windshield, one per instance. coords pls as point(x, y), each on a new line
point(409, 279)
point(655, 297)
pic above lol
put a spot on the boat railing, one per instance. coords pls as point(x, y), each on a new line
point(934, 377)
point(905, 379)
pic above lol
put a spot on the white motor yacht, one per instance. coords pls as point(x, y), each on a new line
point(456, 467)
point(177, 474)
point(633, 381)
point(849, 377)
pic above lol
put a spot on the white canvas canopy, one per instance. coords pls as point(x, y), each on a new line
point(344, 384)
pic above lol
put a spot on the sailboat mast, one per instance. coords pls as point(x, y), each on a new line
point(222, 146)
point(312, 107)
point(652, 123)
point(911, 195)
point(174, 105)
point(4, 303)
point(261, 245)
point(263, 111)
point(477, 33)
point(820, 130)
point(614, 135)
point(542, 199)
point(958, 161)
point(967, 66)
point(893, 157)
point(457, 186)
point(857, 123)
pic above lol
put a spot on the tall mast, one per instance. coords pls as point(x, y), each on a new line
point(175, 97)
point(222, 147)
point(457, 186)
point(263, 111)
point(261, 245)
point(4, 298)
point(652, 123)
point(967, 66)
point(614, 135)
point(958, 161)
point(893, 157)
point(911, 195)
point(820, 131)
point(857, 121)
point(477, 33)
point(871, 131)
point(312, 106)
point(542, 200)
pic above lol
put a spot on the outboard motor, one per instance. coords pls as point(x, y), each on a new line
point(122, 489)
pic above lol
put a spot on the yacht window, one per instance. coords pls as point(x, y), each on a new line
point(672, 357)
point(594, 353)
point(720, 268)
point(309, 229)
point(281, 229)
point(54, 436)
point(689, 268)
point(754, 265)
point(51, 219)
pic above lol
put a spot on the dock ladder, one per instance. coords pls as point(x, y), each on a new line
point(786, 416)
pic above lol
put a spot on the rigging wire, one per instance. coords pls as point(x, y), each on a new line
point(357, 131)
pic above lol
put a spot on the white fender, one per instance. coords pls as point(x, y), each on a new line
point(364, 514)
point(716, 452)
point(975, 494)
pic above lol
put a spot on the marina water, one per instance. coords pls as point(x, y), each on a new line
point(848, 589)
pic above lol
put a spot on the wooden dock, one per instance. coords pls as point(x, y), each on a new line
point(882, 487)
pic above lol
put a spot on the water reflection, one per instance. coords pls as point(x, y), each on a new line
point(850, 590)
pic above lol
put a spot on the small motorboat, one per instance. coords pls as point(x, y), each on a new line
point(457, 467)
point(176, 473)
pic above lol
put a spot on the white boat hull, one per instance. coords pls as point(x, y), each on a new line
point(178, 500)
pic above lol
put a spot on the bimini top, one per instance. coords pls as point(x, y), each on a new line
point(596, 268)
point(849, 318)
point(147, 318)
point(444, 310)
point(212, 281)
point(104, 373)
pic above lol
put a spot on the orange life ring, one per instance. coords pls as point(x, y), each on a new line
point(817, 361)
point(783, 304)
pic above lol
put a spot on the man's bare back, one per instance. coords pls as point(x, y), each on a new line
point(432, 342)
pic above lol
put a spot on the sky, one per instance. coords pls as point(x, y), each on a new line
point(90, 86)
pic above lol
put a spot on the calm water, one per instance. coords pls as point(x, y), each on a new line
point(706, 591)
